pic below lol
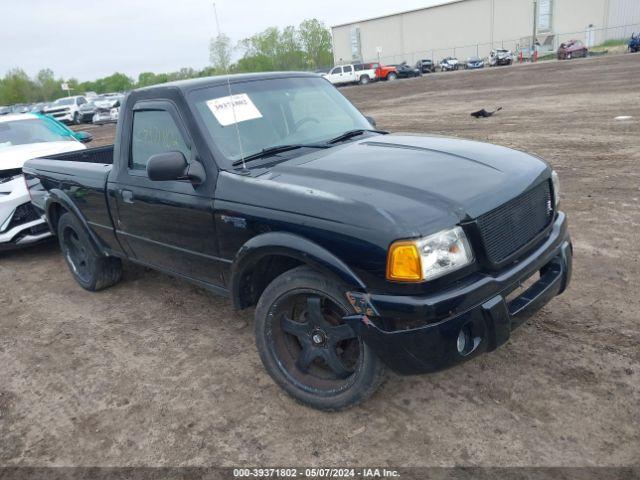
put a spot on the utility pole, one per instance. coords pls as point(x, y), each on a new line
point(535, 27)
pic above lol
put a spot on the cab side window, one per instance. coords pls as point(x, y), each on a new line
point(154, 131)
point(336, 70)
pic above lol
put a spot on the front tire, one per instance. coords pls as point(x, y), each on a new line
point(76, 119)
point(307, 349)
point(364, 79)
point(90, 269)
point(391, 77)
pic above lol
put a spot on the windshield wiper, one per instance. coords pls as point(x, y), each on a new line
point(265, 152)
point(354, 133)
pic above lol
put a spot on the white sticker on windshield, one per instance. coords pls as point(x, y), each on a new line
point(233, 109)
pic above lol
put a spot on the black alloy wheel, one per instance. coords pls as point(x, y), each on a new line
point(307, 348)
point(91, 269)
point(76, 253)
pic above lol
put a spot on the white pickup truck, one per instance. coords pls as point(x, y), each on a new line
point(354, 73)
point(66, 109)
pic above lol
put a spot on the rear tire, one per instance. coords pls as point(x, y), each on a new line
point(90, 269)
point(364, 79)
point(307, 349)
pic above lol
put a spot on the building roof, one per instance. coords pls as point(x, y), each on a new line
point(437, 5)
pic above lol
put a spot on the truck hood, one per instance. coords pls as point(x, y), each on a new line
point(413, 185)
point(14, 156)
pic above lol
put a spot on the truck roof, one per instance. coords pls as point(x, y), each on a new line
point(196, 83)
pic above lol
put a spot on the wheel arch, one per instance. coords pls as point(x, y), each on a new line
point(57, 204)
point(260, 260)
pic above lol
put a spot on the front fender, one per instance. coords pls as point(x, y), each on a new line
point(293, 246)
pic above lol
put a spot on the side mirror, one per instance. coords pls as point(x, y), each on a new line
point(84, 137)
point(173, 166)
point(371, 121)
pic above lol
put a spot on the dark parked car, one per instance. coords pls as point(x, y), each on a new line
point(103, 109)
point(426, 66)
point(474, 63)
point(634, 43)
point(87, 111)
point(358, 249)
point(572, 49)
point(405, 71)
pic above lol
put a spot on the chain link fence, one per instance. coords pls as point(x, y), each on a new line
point(602, 40)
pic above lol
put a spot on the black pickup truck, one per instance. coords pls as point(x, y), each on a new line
point(359, 249)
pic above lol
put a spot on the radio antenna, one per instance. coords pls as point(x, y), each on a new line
point(233, 105)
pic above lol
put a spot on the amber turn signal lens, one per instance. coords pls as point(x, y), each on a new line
point(403, 263)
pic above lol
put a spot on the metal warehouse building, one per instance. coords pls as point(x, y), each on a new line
point(464, 28)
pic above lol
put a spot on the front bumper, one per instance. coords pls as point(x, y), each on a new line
point(20, 223)
point(24, 235)
point(100, 118)
point(85, 116)
point(481, 308)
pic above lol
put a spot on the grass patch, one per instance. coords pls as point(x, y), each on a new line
point(548, 56)
point(612, 43)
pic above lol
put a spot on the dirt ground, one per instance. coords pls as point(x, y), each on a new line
point(158, 372)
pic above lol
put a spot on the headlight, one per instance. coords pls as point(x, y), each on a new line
point(429, 257)
point(556, 188)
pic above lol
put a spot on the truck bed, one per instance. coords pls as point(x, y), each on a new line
point(78, 180)
point(103, 155)
point(89, 167)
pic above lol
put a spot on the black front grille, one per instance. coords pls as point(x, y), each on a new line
point(23, 214)
point(511, 226)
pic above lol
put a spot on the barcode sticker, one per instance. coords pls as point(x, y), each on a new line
point(233, 109)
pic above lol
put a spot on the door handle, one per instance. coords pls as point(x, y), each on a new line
point(127, 196)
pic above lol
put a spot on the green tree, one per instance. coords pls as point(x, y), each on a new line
point(117, 82)
point(289, 53)
point(220, 52)
point(316, 43)
point(17, 87)
point(47, 85)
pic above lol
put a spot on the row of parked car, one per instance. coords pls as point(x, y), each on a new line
point(89, 108)
point(364, 73)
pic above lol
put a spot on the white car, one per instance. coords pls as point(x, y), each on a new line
point(358, 73)
point(23, 137)
point(66, 109)
point(500, 57)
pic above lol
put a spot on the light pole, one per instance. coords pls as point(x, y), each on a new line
point(535, 27)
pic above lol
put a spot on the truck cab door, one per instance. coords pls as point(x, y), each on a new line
point(165, 224)
point(348, 74)
point(335, 76)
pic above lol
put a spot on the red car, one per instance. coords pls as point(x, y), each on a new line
point(572, 49)
point(385, 72)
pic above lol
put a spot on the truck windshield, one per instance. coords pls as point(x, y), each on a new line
point(283, 111)
point(33, 130)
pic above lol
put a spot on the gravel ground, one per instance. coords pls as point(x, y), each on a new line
point(158, 372)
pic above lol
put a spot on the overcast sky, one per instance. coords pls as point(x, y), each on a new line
point(93, 38)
